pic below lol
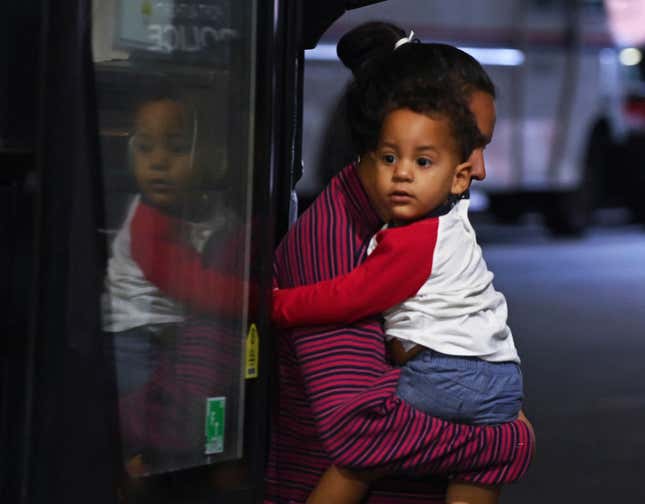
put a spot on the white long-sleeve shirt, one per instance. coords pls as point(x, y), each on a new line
point(457, 311)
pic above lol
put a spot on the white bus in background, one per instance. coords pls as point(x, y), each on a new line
point(570, 104)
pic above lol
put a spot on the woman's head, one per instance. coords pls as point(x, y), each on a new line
point(366, 43)
point(380, 71)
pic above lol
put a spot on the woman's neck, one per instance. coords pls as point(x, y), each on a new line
point(367, 175)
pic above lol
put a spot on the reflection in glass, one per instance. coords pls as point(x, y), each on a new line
point(175, 139)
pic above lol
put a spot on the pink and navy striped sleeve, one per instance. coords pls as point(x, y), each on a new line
point(337, 401)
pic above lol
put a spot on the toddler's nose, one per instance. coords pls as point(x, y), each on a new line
point(159, 159)
point(402, 171)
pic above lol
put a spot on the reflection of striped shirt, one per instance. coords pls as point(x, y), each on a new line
point(337, 401)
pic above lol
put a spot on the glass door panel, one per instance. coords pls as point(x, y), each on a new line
point(175, 85)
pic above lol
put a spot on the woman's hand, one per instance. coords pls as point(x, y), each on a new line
point(522, 417)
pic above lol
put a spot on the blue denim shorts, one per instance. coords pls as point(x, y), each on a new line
point(135, 354)
point(462, 389)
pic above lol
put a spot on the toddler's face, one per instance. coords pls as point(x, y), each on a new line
point(417, 165)
point(162, 146)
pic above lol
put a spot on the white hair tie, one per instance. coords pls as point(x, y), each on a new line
point(404, 40)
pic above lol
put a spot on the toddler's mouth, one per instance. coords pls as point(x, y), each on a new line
point(400, 196)
point(160, 185)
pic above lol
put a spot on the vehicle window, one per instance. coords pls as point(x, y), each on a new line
point(175, 92)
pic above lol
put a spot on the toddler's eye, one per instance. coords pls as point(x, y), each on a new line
point(142, 146)
point(179, 146)
point(389, 158)
point(424, 162)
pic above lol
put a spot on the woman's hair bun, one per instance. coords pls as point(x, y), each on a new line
point(367, 42)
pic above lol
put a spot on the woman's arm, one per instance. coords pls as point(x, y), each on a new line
point(364, 425)
point(396, 269)
point(177, 269)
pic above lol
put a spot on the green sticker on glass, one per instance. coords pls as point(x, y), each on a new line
point(215, 423)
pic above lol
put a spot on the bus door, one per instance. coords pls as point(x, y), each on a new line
point(188, 248)
point(156, 166)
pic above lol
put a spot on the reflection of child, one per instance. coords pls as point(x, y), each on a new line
point(458, 357)
point(155, 272)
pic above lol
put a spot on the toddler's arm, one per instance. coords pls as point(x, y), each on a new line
point(396, 269)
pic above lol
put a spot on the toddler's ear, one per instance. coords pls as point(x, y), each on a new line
point(462, 177)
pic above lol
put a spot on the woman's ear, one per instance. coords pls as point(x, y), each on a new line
point(462, 177)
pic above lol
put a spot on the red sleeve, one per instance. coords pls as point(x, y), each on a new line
point(395, 271)
point(177, 269)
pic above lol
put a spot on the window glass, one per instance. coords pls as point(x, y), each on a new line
point(175, 91)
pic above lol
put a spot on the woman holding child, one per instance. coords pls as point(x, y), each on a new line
point(420, 115)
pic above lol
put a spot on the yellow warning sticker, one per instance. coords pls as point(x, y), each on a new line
point(146, 8)
point(252, 352)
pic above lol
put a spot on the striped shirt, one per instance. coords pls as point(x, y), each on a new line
point(337, 401)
